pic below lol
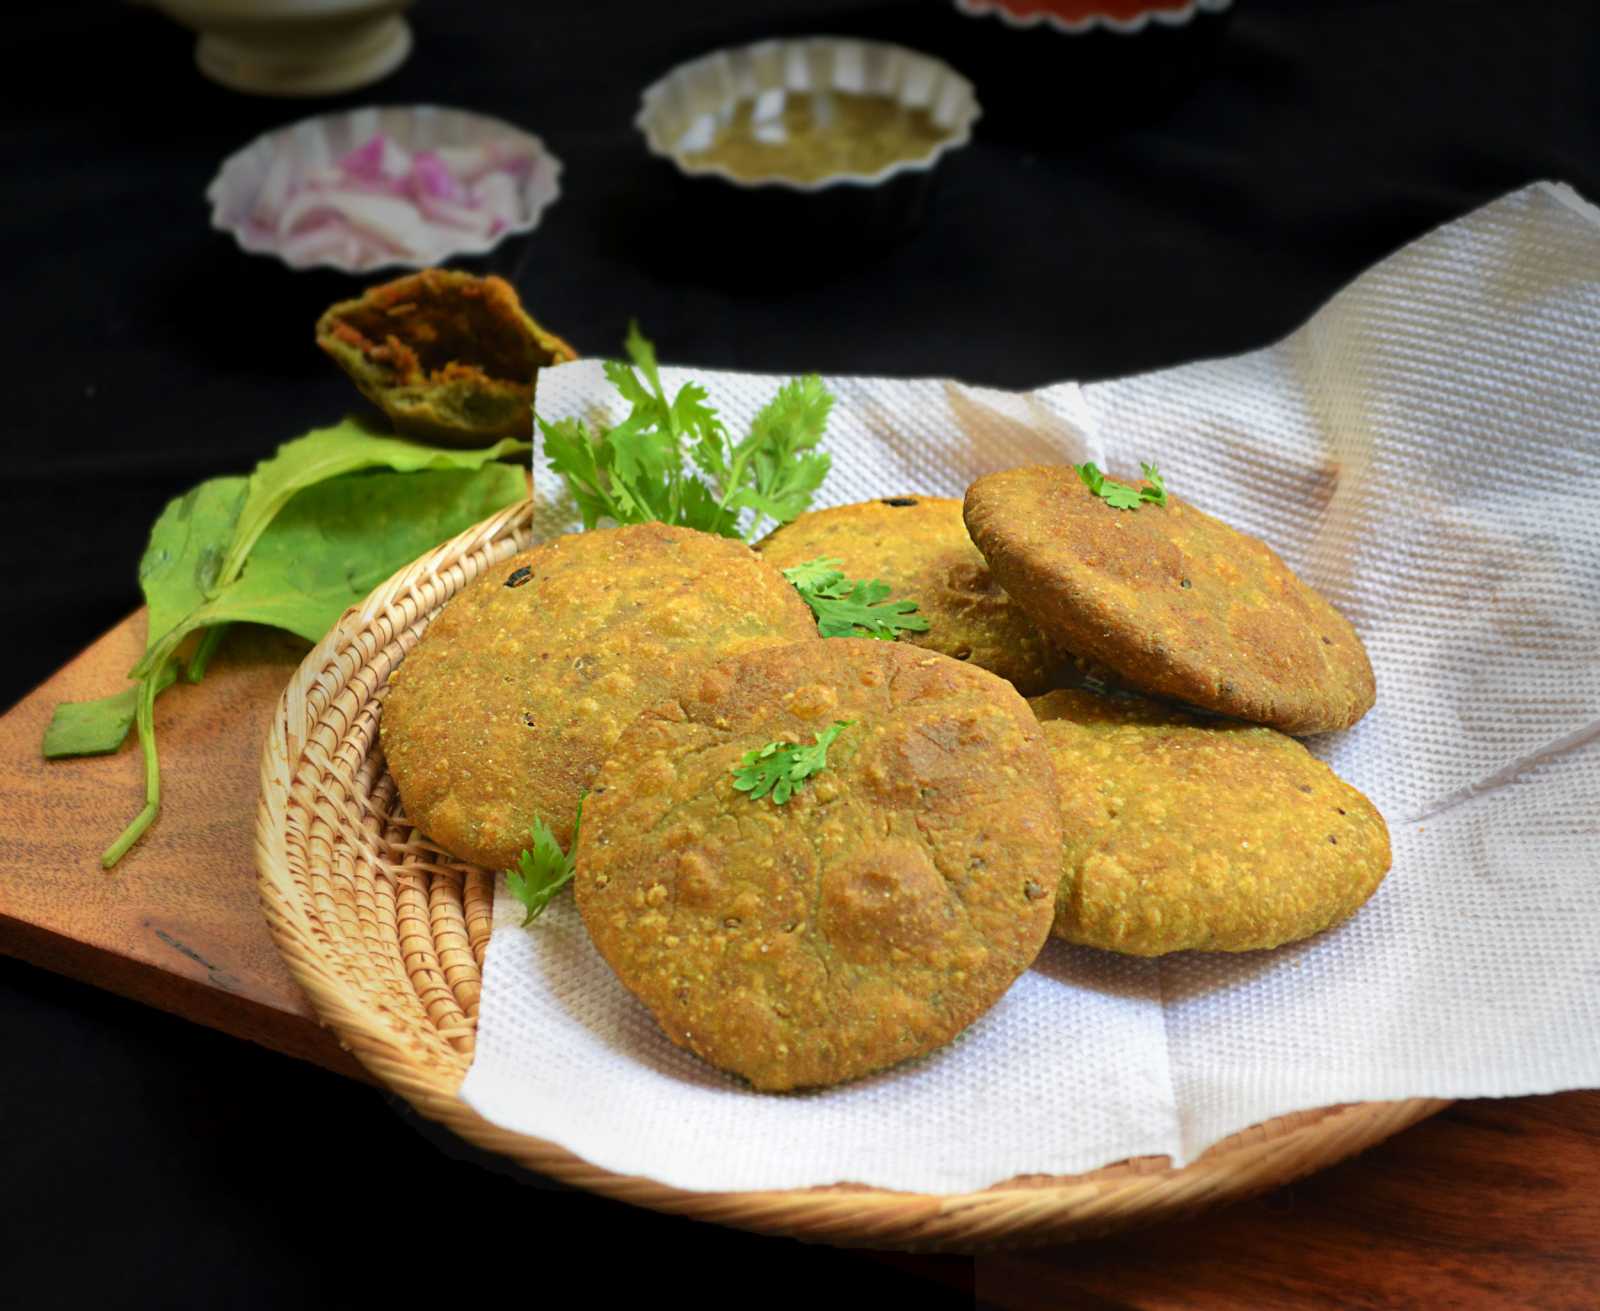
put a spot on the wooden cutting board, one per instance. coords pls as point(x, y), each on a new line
point(176, 924)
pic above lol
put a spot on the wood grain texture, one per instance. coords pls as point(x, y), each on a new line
point(1491, 1204)
point(177, 924)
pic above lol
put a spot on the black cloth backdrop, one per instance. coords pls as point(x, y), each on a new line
point(1150, 202)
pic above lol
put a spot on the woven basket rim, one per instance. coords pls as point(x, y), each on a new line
point(389, 1044)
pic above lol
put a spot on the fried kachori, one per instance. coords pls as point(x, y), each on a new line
point(505, 708)
point(1181, 833)
point(919, 546)
point(870, 918)
point(1172, 600)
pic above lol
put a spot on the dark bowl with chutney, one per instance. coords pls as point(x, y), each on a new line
point(816, 137)
point(1060, 73)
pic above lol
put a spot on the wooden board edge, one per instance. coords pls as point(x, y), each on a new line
point(188, 999)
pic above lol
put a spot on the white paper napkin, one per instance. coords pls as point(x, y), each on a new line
point(1426, 451)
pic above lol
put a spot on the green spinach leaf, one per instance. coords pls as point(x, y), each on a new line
point(293, 545)
point(324, 453)
point(182, 565)
point(96, 728)
point(334, 542)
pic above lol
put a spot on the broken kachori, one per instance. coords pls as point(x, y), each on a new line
point(448, 356)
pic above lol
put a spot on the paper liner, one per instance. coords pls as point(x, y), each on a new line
point(1426, 452)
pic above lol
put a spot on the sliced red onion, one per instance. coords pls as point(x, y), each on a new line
point(463, 218)
point(333, 240)
point(365, 161)
point(431, 177)
point(379, 200)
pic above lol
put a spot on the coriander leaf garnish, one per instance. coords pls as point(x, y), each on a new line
point(1156, 493)
point(779, 461)
point(543, 869)
point(812, 575)
point(1120, 496)
point(780, 767)
point(864, 610)
point(847, 607)
point(643, 469)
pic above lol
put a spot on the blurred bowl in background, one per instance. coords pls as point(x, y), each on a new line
point(1074, 16)
point(1061, 73)
point(368, 190)
point(295, 47)
point(818, 136)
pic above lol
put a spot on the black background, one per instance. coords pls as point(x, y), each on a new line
point(1128, 203)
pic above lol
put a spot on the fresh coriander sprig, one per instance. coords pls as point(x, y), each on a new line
point(1120, 496)
point(780, 767)
point(847, 607)
point(543, 869)
point(1156, 493)
point(636, 471)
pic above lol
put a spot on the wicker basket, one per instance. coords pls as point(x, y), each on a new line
point(387, 935)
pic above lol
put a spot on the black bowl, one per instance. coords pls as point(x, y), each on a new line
point(787, 223)
point(1045, 87)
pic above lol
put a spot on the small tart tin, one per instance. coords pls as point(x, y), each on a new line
point(276, 157)
point(680, 115)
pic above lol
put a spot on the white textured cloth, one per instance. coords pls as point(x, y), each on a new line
point(1426, 451)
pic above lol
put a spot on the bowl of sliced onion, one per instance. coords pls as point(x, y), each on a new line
point(402, 187)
